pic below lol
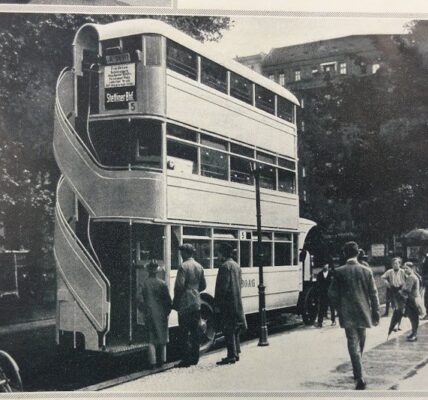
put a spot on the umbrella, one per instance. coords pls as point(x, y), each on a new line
point(394, 321)
point(417, 236)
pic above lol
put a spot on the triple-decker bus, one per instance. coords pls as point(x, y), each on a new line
point(156, 137)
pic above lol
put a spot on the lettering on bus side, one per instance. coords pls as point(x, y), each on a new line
point(248, 283)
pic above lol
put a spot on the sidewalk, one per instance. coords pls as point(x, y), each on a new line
point(305, 359)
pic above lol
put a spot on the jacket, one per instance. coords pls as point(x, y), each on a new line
point(228, 295)
point(190, 281)
point(354, 294)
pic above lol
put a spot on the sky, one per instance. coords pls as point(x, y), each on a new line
point(251, 35)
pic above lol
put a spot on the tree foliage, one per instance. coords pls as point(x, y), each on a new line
point(34, 48)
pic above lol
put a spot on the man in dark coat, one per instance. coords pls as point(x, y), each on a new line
point(229, 304)
point(354, 294)
point(156, 304)
point(324, 279)
point(190, 281)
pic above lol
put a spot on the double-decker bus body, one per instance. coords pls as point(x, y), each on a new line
point(156, 147)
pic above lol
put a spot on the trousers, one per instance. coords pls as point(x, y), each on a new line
point(356, 338)
point(156, 353)
point(233, 342)
point(188, 325)
point(324, 303)
point(413, 314)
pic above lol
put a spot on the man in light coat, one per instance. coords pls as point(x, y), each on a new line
point(228, 303)
point(189, 283)
point(354, 295)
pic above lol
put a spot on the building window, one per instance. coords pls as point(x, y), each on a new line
point(303, 172)
point(303, 126)
point(343, 69)
point(375, 67)
point(315, 70)
point(302, 103)
point(297, 76)
point(329, 67)
point(282, 79)
point(305, 199)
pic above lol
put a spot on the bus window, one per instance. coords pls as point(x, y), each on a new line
point(266, 249)
point(202, 253)
point(241, 88)
point(265, 157)
point(111, 46)
point(285, 109)
point(181, 132)
point(283, 162)
point(153, 50)
point(242, 150)
point(267, 177)
point(147, 137)
point(265, 100)
point(282, 253)
point(182, 60)
point(131, 44)
point(214, 163)
point(217, 246)
point(295, 249)
point(240, 170)
point(213, 75)
point(110, 142)
point(286, 181)
point(245, 256)
point(182, 157)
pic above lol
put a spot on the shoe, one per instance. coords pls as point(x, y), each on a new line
point(183, 364)
point(412, 339)
point(237, 358)
point(361, 385)
point(318, 325)
point(333, 323)
point(226, 360)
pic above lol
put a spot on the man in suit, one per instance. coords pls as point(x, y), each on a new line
point(324, 279)
point(354, 295)
point(189, 283)
point(229, 304)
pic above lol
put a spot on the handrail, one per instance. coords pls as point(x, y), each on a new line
point(80, 244)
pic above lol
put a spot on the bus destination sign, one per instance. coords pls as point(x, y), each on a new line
point(119, 85)
point(118, 58)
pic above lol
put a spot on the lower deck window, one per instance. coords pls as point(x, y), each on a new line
point(203, 251)
point(282, 254)
point(265, 256)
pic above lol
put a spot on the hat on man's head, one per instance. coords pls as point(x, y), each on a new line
point(152, 266)
point(187, 247)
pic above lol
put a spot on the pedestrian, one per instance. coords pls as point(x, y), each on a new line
point(424, 273)
point(411, 292)
point(324, 278)
point(394, 280)
point(156, 305)
point(190, 281)
point(228, 304)
point(354, 295)
point(362, 258)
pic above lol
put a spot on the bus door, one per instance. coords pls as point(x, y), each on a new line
point(147, 245)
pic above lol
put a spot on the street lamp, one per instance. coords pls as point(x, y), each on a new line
point(263, 339)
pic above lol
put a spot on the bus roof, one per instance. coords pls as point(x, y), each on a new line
point(140, 26)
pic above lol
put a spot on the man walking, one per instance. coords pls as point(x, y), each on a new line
point(189, 283)
point(354, 295)
point(324, 279)
point(229, 304)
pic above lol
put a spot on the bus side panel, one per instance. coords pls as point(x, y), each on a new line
point(283, 285)
point(213, 111)
point(192, 197)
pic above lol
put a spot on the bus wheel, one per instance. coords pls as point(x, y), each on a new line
point(10, 378)
point(207, 326)
point(310, 307)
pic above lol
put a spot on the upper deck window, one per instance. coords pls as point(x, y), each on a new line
point(283, 162)
point(265, 99)
point(111, 46)
point(241, 88)
point(265, 157)
point(213, 75)
point(242, 150)
point(182, 60)
point(285, 109)
point(132, 43)
point(214, 142)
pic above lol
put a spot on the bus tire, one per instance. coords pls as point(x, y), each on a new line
point(10, 378)
point(310, 307)
point(207, 330)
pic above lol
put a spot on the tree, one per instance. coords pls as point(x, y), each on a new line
point(34, 49)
